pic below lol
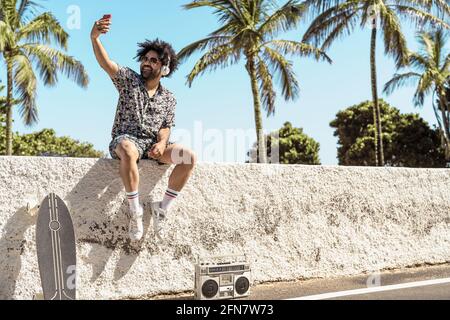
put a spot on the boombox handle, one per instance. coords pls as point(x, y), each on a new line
point(216, 259)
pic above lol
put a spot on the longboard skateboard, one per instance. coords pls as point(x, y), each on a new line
point(55, 243)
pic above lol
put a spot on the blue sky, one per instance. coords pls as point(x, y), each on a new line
point(217, 101)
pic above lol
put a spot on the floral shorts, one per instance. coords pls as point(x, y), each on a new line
point(142, 145)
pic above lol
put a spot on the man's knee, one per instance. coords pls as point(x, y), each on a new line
point(126, 150)
point(191, 158)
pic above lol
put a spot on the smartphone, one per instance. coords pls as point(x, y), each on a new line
point(107, 16)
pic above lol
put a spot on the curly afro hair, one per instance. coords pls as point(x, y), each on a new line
point(164, 51)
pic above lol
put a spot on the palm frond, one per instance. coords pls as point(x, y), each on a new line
point(63, 63)
point(369, 14)
point(442, 6)
point(316, 7)
point(419, 17)
point(45, 63)
point(423, 89)
point(247, 11)
point(41, 28)
point(282, 68)
point(226, 30)
point(332, 22)
point(202, 44)
point(342, 28)
point(426, 42)
point(283, 19)
point(25, 84)
point(446, 65)
point(205, 3)
point(400, 80)
point(394, 40)
point(439, 40)
point(266, 89)
point(419, 61)
point(27, 6)
point(298, 49)
point(8, 12)
point(224, 9)
point(220, 56)
point(6, 36)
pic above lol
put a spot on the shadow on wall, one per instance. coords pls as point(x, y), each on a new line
point(98, 208)
point(12, 245)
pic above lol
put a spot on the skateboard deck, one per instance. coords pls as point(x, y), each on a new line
point(56, 252)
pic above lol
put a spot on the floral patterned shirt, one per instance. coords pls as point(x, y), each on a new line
point(137, 113)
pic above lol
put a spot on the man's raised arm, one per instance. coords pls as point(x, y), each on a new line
point(101, 27)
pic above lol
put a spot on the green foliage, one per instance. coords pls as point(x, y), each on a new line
point(293, 147)
point(26, 37)
point(333, 20)
point(409, 141)
point(430, 72)
point(46, 143)
point(26, 51)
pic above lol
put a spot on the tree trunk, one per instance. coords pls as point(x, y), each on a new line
point(261, 149)
point(9, 106)
point(445, 141)
point(379, 154)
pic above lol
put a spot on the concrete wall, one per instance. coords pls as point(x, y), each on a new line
point(292, 221)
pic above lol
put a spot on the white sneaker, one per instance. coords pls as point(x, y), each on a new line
point(135, 226)
point(159, 218)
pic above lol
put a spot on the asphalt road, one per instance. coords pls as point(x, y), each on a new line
point(389, 284)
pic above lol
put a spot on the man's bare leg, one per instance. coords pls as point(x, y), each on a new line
point(128, 154)
point(129, 172)
point(185, 161)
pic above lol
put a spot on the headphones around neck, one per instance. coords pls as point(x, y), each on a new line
point(165, 70)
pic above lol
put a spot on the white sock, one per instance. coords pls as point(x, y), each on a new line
point(168, 199)
point(133, 200)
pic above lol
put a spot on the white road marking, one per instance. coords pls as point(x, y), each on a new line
point(337, 294)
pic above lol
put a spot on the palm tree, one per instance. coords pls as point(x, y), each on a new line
point(248, 31)
point(2, 99)
point(25, 40)
point(445, 100)
point(334, 19)
point(2, 106)
point(432, 76)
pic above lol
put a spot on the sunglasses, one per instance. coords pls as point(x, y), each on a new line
point(152, 60)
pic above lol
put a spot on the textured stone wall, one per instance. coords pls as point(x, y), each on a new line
point(292, 221)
